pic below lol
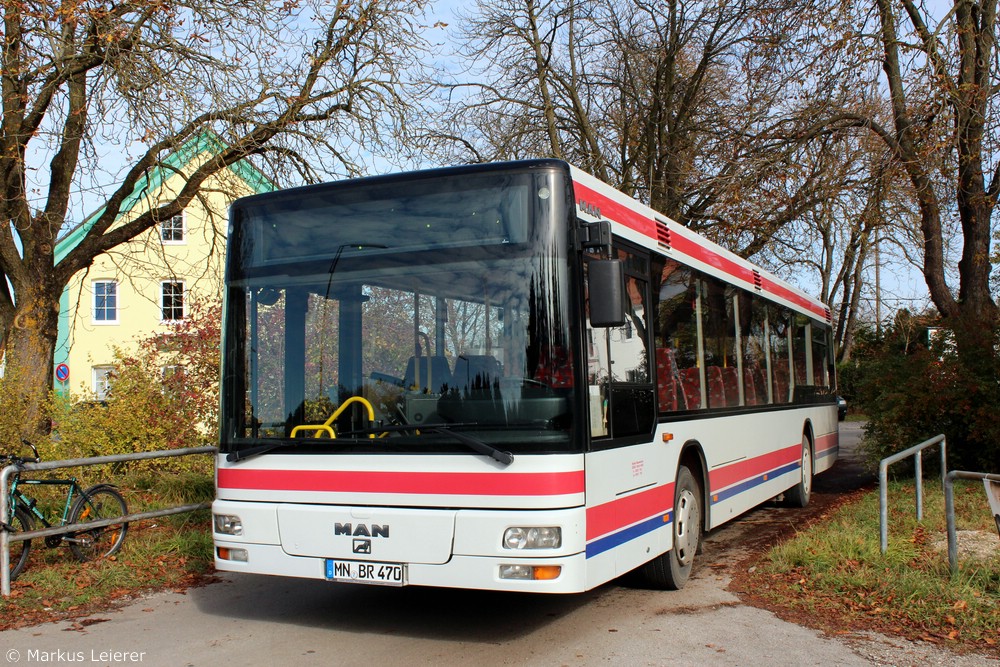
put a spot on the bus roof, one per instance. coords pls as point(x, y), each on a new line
point(633, 220)
point(630, 218)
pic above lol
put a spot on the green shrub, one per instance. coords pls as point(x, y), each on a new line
point(912, 395)
point(13, 412)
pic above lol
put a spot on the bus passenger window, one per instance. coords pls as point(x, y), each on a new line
point(719, 330)
point(753, 328)
point(780, 352)
point(676, 338)
point(820, 356)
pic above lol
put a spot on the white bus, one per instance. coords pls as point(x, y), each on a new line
point(504, 376)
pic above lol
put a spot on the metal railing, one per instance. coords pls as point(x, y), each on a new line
point(949, 510)
point(883, 476)
point(7, 537)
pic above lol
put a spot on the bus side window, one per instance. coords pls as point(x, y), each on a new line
point(678, 378)
point(753, 335)
point(780, 344)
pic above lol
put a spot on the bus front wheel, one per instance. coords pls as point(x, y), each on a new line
point(670, 571)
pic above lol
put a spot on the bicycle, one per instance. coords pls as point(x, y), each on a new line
point(99, 502)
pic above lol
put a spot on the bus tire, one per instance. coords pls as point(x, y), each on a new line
point(798, 495)
point(670, 571)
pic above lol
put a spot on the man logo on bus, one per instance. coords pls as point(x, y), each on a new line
point(361, 530)
point(362, 547)
point(588, 208)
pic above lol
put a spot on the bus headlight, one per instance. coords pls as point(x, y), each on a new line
point(227, 524)
point(544, 537)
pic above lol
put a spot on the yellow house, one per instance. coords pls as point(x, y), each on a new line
point(139, 288)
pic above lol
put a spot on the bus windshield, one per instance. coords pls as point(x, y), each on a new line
point(359, 311)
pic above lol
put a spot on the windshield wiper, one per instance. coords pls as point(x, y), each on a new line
point(475, 444)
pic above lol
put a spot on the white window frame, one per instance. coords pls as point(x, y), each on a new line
point(100, 381)
point(94, 306)
point(169, 227)
point(163, 297)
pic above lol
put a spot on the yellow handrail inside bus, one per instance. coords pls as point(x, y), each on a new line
point(326, 425)
point(314, 427)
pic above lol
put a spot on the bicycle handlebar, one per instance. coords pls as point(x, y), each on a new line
point(34, 450)
point(18, 460)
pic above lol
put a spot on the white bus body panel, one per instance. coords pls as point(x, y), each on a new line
point(295, 518)
point(623, 520)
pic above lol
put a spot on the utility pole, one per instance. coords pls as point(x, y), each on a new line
point(878, 288)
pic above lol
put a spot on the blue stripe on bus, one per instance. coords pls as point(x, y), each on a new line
point(619, 538)
point(747, 484)
point(829, 452)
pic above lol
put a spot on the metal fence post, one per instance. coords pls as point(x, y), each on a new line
point(5, 518)
point(883, 482)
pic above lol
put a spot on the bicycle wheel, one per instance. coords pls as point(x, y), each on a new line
point(21, 522)
point(97, 503)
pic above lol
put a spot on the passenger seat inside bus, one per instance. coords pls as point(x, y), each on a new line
point(716, 387)
point(691, 381)
point(731, 381)
point(670, 394)
point(749, 387)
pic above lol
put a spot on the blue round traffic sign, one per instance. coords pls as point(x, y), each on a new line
point(62, 372)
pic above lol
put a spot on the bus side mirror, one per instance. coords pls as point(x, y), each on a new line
point(606, 288)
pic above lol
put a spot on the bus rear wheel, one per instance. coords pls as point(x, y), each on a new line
point(670, 571)
point(798, 495)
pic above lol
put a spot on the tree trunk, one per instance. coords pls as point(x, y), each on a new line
point(29, 354)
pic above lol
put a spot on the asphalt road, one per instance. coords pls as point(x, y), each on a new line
point(253, 620)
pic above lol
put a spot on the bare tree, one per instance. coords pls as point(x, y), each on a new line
point(941, 73)
point(292, 83)
point(693, 107)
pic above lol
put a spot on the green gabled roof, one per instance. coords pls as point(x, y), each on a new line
point(204, 142)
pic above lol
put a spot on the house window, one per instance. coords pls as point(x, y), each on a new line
point(172, 230)
point(101, 378)
point(105, 301)
point(172, 300)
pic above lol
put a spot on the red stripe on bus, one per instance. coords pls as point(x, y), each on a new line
point(721, 478)
point(825, 442)
point(616, 211)
point(616, 514)
point(621, 213)
point(424, 483)
point(789, 295)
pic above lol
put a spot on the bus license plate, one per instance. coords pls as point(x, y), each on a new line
point(364, 572)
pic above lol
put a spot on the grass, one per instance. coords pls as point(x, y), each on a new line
point(164, 553)
point(834, 572)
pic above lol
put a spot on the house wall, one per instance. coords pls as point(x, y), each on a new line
point(138, 268)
